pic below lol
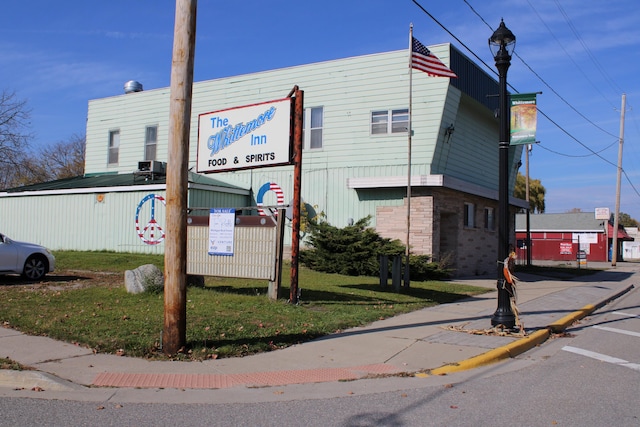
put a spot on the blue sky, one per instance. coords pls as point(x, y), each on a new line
point(582, 54)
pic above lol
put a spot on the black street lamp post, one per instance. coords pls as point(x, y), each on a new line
point(502, 43)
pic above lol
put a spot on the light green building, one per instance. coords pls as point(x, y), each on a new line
point(355, 158)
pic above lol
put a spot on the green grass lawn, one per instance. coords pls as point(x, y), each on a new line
point(225, 318)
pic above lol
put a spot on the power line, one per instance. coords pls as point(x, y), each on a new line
point(595, 87)
point(594, 59)
point(454, 36)
point(546, 84)
point(576, 155)
point(577, 140)
point(543, 81)
point(531, 69)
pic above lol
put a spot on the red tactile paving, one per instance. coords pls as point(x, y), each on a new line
point(218, 381)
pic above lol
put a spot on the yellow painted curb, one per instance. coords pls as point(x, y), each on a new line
point(562, 324)
point(520, 346)
point(495, 355)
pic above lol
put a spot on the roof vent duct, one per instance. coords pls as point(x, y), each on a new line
point(132, 86)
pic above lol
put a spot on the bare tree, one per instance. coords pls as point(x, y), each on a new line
point(14, 137)
point(65, 159)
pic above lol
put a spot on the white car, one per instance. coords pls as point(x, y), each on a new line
point(30, 260)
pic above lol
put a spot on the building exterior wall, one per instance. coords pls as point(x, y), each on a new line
point(438, 229)
point(631, 250)
point(96, 221)
point(85, 222)
point(348, 90)
point(562, 246)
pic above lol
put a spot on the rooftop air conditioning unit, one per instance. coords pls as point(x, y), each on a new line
point(152, 166)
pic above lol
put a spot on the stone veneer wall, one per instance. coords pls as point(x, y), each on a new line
point(437, 218)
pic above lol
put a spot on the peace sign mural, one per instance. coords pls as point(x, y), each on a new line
point(151, 233)
point(269, 186)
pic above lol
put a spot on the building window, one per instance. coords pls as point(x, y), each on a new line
point(312, 124)
point(114, 146)
point(469, 215)
point(390, 121)
point(489, 219)
point(150, 142)
point(400, 121)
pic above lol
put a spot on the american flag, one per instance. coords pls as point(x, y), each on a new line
point(422, 59)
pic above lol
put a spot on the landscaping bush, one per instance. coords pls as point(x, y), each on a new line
point(421, 267)
point(355, 249)
point(352, 250)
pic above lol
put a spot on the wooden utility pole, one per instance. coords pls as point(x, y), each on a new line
point(175, 254)
point(298, 113)
point(614, 253)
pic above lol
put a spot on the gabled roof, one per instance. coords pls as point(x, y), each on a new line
point(119, 182)
point(622, 233)
point(578, 222)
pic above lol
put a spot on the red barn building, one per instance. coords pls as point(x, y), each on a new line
point(559, 237)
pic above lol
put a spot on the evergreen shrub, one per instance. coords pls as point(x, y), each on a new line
point(355, 250)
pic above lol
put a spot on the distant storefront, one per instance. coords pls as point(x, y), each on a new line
point(568, 236)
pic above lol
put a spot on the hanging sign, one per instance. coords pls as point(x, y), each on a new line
point(524, 115)
point(252, 136)
point(221, 231)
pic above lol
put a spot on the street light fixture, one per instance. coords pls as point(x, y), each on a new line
point(502, 44)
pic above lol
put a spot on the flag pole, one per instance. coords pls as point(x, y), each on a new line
point(406, 268)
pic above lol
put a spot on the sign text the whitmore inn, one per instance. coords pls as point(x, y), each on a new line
point(246, 137)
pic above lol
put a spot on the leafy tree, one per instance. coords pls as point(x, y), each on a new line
point(536, 192)
point(14, 137)
point(625, 220)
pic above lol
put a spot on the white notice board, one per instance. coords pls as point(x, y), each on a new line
point(221, 231)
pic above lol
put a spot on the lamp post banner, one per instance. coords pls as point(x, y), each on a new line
point(524, 115)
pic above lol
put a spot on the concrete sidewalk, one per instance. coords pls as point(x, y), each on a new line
point(405, 347)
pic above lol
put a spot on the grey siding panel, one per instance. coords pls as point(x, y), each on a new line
point(82, 222)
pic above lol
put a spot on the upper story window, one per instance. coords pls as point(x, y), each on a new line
point(469, 215)
point(313, 122)
point(114, 147)
point(150, 142)
point(390, 121)
point(489, 219)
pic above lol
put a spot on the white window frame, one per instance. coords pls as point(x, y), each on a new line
point(150, 146)
point(310, 131)
point(469, 215)
point(114, 147)
point(384, 122)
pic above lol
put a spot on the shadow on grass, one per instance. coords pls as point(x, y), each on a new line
point(238, 290)
point(378, 295)
point(253, 345)
point(16, 280)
